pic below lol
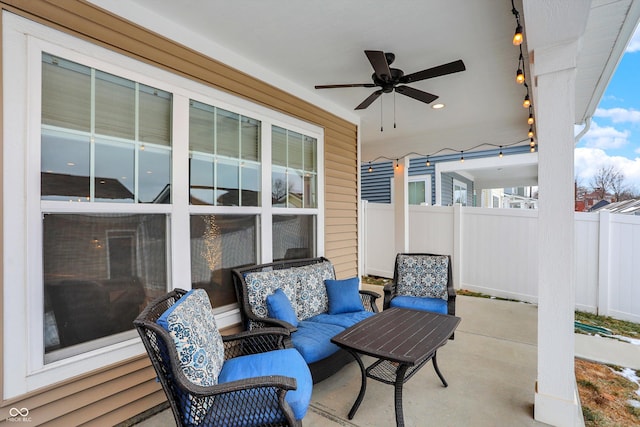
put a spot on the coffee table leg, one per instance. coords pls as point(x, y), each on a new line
point(435, 366)
point(402, 369)
point(363, 386)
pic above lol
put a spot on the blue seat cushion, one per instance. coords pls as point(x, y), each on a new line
point(344, 319)
point(288, 363)
point(313, 340)
point(436, 305)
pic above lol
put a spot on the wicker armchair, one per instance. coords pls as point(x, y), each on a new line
point(260, 400)
point(423, 281)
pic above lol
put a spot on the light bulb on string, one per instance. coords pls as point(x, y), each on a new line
point(518, 38)
point(462, 156)
point(428, 162)
point(370, 168)
point(530, 133)
point(500, 153)
point(527, 102)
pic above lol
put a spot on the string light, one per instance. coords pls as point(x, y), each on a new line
point(520, 73)
point(530, 133)
point(527, 102)
point(530, 119)
point(518, 37)
point(532, 143)
point(370, 168)
point(429, 156)
point(500, 153)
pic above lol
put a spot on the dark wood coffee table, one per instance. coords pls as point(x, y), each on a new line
point(403, 341)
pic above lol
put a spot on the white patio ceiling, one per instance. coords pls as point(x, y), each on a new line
point(298, 44)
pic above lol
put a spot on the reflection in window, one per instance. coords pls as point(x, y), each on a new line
point(218, 244)
point(114, 146)
point(224, 157)
point(459, 193)
point(295, 169)
point(100, 270)
point(293, 236)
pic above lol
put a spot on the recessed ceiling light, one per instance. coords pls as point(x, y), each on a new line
point(437, 106)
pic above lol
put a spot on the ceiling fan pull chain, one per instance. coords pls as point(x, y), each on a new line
point(381, 128)
point(394, 109)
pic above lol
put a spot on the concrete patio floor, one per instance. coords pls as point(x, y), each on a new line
point(490, 368)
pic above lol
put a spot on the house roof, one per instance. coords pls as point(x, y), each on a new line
point(629, 207)
point(296, 45)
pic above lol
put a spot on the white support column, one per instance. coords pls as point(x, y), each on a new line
point(556, 399)
point(401, 205)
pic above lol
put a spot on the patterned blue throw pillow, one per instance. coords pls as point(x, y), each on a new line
point(423, 275)
point(199, 344)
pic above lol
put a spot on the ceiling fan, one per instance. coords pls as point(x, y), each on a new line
point(390, 79)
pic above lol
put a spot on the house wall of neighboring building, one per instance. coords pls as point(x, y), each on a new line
point(447, 188)
point(115, 393)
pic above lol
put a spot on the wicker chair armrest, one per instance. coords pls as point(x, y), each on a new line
point(369, 300)
point(389, 292)
point(271, 381)
point(255, 341)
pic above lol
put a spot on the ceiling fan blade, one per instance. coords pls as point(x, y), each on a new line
point(364, 104)
point(345, 85)
point(416, 94)
point(440, 70)
point(378, 61)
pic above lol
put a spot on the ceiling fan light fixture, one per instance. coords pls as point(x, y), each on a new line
point(518, 38)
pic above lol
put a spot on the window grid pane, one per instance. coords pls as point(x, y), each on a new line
point(224, 152)
point(294, 171)
point(112, 166)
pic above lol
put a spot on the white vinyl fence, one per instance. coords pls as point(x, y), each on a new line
point(495, 251)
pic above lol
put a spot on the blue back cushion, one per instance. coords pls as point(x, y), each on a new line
point(344, 295)
point(279, 307)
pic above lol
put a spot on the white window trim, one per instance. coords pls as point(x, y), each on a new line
point(23, 41)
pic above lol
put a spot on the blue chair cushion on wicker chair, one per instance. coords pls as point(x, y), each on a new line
point(436, 305)
point(283, 362)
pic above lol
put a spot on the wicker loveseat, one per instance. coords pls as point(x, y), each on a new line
point(317, 307)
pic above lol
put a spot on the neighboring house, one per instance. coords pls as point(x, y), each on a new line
point(628, 207)
point(446, 180)
point(588, 201)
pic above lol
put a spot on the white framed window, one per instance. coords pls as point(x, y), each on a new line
point(107, 210)
point(459, 193)
point(419, 190)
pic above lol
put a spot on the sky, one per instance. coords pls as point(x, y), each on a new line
point(614, 135)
